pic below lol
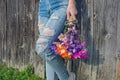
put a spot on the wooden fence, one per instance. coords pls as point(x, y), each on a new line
point(99, 22)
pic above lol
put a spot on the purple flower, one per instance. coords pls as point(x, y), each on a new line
point(70, 50)
point(74, 50)
point(79, 47)
point(76, 41)
point(53, 47)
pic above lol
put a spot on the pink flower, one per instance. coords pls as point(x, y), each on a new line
point(80, 55)
point(61, 37)
point(83, 44)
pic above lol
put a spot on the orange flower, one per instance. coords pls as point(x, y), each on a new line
point(62, 51)
point(66, 55)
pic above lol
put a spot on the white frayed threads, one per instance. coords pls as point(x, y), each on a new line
point(42, 47)
point(40, 25)
point(54, 17)
point(48, 32)
point(41, 40)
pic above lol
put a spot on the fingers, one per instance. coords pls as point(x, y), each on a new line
point(71, 16)
point(68, 15)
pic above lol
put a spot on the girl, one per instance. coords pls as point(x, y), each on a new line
point(51, 18)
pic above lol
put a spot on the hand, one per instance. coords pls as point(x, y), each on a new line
point(71, 11)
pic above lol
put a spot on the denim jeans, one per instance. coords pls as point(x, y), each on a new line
point(51, 20)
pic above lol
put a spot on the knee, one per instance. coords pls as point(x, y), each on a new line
point(44, 38)
point(41, 46)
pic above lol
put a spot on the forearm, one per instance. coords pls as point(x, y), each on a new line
point(71, 1)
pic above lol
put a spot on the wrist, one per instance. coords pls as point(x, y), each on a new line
point(72, 2)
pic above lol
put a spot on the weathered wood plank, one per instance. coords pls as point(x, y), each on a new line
point(38, 63)
point(12, 22)
point(105, 24)
point(118, 42)
point(2, 30)
point(83, 68)
point(3, 22)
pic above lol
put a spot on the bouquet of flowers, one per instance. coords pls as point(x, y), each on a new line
point(69, 45)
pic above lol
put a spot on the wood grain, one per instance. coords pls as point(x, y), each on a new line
point(18, 33)
point(99, 26)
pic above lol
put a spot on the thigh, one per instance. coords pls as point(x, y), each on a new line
point(55, 25)
point(50, 31)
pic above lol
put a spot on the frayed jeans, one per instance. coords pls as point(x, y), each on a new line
point(52, 17)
